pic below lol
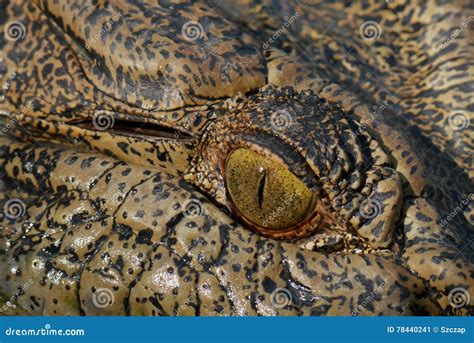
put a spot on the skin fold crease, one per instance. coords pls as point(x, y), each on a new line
point(253, 158)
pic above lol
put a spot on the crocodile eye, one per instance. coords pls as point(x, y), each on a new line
point(265, 192)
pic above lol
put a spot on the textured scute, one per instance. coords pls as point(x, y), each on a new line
point(159, 56)
point(409, 62)
point(164, 78)
point(168, 153)
point(434, 253)
point(135, 218)
point(124, 228)
point(339, 157)
point(413, 77)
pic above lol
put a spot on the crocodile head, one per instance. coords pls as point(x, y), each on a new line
point(156, 173)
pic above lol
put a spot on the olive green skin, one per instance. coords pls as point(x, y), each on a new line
point(139, 215)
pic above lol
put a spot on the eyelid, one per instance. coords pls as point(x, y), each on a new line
point(279, 152)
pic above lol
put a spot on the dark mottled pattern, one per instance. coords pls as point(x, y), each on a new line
point(364, 123)
point(86, 233)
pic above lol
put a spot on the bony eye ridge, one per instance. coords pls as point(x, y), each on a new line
point(265, 193)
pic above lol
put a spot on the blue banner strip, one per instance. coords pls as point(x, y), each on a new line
point(241, 329)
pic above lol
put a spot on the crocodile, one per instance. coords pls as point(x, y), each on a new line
point(201, 158)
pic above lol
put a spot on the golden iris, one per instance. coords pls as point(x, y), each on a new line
point(265, 192)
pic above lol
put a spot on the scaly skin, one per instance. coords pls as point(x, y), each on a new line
point(110, 208)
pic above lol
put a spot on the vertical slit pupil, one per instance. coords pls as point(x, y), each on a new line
point(261, 188)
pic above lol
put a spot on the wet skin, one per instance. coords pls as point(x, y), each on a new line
point(176, 175)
